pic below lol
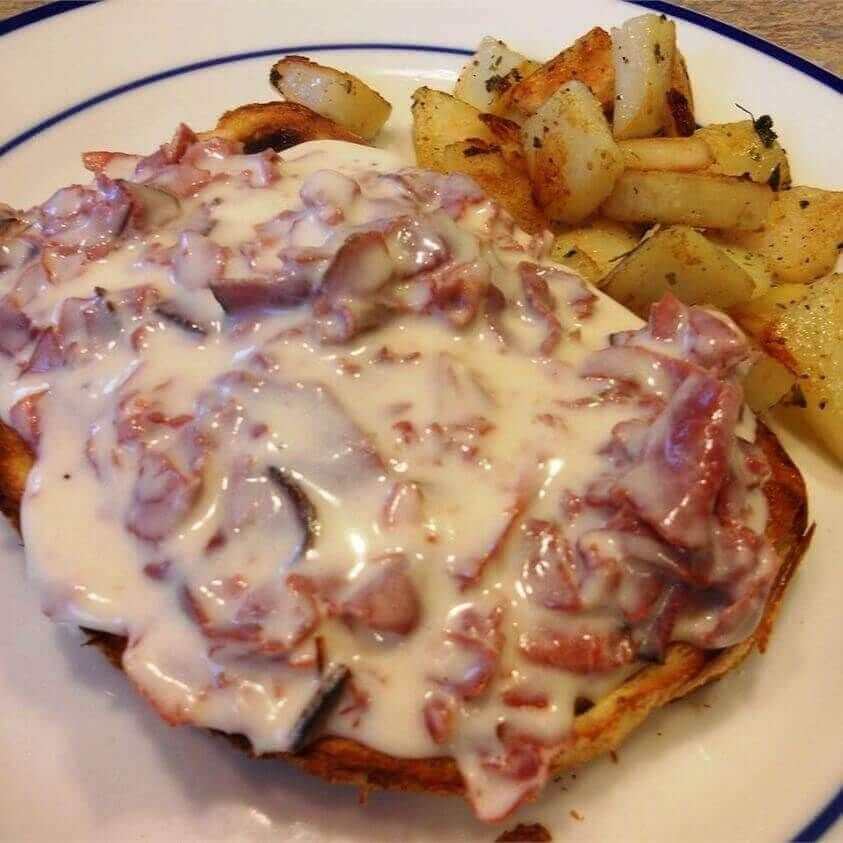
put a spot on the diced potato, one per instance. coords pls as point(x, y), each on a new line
point(802, 236)
point(571, 156)
point(766, 383)
point(504, 133)
point(578, 261)
point(277, 125)
point(643, 51)
point(588, 59)
point(451, 136)
point(738, 150)
point(602, 242)
point(490, 73)
point(679, 154)
point(333, 94)
point(679, 103)
point(681, 261)
point(808, 340)
point(753, 263)
point(440, 120)
point(756, 316)
point(501, 177)
point(701, 200)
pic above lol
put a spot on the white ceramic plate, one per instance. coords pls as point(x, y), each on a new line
point(755, 757)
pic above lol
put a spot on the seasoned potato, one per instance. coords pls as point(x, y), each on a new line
point(739, 150)
point(679, 103)
point(808, 339)
point(597, 246)
point(766, 383)
point(802, 236)
point(572, 158)
point(504, 133)
point(500, 176)
point(577, 261)
point(643, 51)
point(490, 73)
point(701, 200)
point(756, 316)
point(451, 136)
point(333, 94)
point(588, 59)
point(753, 263)
point(439, 120)
point(278, 125)
point(679, 154)
point(681, 261)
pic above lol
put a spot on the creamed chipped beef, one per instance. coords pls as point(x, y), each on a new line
point(338, 431)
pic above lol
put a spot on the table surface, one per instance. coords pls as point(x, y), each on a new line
point(811, 28)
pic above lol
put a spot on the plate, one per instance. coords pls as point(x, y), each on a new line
point(755, 757)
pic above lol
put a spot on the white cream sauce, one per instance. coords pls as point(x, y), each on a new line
point(354, 425)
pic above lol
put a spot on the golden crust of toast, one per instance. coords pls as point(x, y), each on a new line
point(279, 125)
point(599, 729)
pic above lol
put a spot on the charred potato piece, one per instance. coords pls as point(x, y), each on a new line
point(502, 177)
point(700, 200)
point(277, 125)
point(490, 73)
point(807, 338)
point(681, 261)
point(572, 159)
point(802, 236)
point(505, 134)
point(679, 102)
point(588, 59)
point(338, 96)
point(739, 150)
point(643, 51)
point(678, 154)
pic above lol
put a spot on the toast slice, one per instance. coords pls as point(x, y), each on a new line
point(602, 724)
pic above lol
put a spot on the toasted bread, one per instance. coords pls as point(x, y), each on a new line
point(602, 724)
point(278, 126)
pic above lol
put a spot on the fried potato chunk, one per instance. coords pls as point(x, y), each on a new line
point(678, 154)
point(643, 51)
point(739, 150)
point(439, 120)
point(760, 313)
point(807, 339)
point(336, 95)
point(681, 261)
point(490, 73)
point(588, 59)
point(679, 118)
point(451, 136)
point(593, 249)
point(572, 159)
point(802, 236)
point(501, 176)
point(697, 199)
point(767, 383)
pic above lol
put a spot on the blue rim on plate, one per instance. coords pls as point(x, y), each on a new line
point(832, 812)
